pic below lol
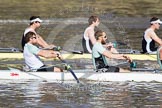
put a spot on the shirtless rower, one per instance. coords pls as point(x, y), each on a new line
point(89, 39)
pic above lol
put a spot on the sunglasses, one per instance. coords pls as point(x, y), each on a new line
point(37, 22)
point(34, 37)
point(105, 37)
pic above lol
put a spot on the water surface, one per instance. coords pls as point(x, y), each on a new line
point(39, 94)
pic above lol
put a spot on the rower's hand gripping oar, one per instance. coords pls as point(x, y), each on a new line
point(132, 63)
point(68, 68)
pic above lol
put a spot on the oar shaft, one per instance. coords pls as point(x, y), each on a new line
point(73, 75)
point(69, 69)
point(59, 49)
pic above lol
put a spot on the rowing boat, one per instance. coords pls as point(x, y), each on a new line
point(151, 57)
point(16, 74)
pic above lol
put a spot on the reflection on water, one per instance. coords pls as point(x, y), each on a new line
point(90, 94)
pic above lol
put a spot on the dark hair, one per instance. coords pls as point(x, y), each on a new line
point(98, 34)
point(153, 19)
point(32, 18)
point(92, 19)
point(28, 36)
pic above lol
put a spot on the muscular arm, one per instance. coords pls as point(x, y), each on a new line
point(48, 53)
point(110, 55)
point(41, 41)
point(116, 56)
point(155, 38)
point(91, 36)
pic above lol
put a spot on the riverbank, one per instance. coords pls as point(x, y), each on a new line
point(17, 9)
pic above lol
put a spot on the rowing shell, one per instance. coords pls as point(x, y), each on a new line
point(152, 57)
point(15, 74)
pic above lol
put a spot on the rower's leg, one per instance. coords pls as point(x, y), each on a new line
point(56, 69)
point(124, 70)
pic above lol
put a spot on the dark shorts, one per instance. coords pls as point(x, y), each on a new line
point(155, 49)
point(109, 69)
point(45, 69)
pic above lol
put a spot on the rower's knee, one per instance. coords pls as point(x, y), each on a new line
point(58, 69)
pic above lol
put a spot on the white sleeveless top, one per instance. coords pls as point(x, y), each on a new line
point(148, 42)
point(87, 43)
point(29, 30)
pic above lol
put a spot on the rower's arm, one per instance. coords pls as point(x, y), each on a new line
point(43, 43)
point(156, 38)
point(110, 55)
point(48, 53)
point(91, 36)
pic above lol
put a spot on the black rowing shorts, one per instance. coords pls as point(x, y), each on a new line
point(109, 69)
point(45, 68)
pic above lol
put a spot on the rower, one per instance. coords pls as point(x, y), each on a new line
point(89, 40)
point(99, 54)
point(32, 52)
point(35, 23)
point(150, 37)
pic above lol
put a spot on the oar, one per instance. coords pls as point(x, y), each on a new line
point(12, 49)
point(75, 52)
point(133, 64)
point(147, 69)
point(143, 69)
point(58, 48)
point(122, 63)
point(69, 69)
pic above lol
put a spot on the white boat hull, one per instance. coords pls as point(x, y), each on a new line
point(87, 75)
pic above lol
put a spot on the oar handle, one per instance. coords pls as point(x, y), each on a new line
point(66, 65)
point(133, 64)
point(57, 48)
point(69, 68)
